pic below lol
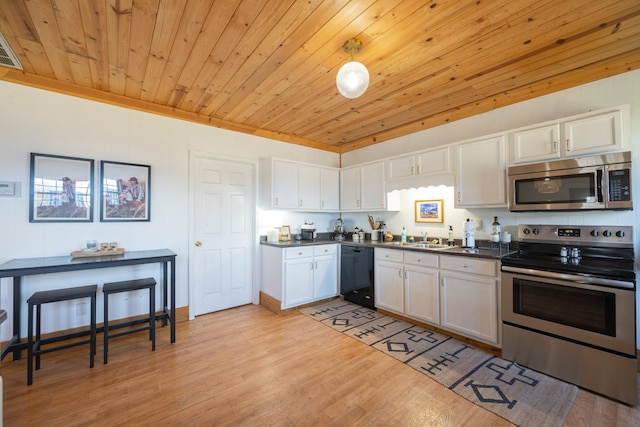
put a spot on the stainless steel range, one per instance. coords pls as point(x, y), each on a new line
point(568, 306)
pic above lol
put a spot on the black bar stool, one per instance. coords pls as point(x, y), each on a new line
point(34, 348)
point(126, 286)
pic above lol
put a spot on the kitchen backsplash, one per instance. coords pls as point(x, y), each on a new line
point(405, 217)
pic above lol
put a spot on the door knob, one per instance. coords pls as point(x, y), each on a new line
point(198, 243)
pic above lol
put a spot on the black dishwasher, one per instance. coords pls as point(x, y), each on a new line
point(356, 274)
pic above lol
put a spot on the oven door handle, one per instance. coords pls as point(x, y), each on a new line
point(572, 277)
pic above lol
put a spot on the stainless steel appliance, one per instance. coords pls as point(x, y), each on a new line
point(568, 306)
point(338, 230)
point(356, 274)
point(596, 182)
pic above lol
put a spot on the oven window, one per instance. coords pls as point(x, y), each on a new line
point(578, 188)
point(580, 308)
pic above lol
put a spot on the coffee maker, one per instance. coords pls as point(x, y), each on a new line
point(338, 230)
point(308, 231)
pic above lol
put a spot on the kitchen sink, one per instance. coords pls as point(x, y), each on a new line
point(420, 245)
point(433, 246)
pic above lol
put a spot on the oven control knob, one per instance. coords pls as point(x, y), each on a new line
point(620, 233)
point(536, 231)
point(525, 231)
point(606, 233)
point(594, 233)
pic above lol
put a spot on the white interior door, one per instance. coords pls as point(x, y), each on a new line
point(221, 257)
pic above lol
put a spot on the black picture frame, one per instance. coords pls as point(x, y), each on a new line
point(60, 189)
point(125, 190)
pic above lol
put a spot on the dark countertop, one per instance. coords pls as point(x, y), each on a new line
point(484, 251)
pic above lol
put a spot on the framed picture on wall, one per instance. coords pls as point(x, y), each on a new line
point(429, 210)
point(125, 190)
point(61, 189)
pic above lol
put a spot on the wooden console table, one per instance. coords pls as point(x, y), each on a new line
point(18, 268)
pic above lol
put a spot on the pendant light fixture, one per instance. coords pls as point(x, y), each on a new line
point(352, 78)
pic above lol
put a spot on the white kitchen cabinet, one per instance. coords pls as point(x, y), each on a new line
point(480, 174)
point(285, 185)
point(536, 144)
point(289, 185)
point(406, 282)
point(389, 280)
point(593, 134)
point(590, 133)
point(329, 189)
point(421, 287)
point(469, 297)
point(362, 188)
point(415, 166)
point(293, 276)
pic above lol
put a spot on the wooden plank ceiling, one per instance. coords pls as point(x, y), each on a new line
point(268, 67)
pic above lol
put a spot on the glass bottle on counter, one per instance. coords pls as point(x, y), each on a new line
point(495, 227)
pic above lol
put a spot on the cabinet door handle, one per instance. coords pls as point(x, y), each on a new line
point(300, 202)
point(322, 204)
point(419, 171)
point(276, 202)
point(555, 147)
point(442, 282)
point(568, 145)
point(400, 273)
point(458, 196)
point(411, 170)
point(358, 203)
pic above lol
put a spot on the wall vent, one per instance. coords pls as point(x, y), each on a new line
point(7, 57)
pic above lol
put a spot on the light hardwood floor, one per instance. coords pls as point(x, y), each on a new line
point(248, 366)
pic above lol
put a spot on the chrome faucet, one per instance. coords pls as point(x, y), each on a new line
point(424, 236)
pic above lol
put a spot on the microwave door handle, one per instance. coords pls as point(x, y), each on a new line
point(600, 184)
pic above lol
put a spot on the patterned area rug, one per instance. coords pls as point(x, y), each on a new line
point(520, 395)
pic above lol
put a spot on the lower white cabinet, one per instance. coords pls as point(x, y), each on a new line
point(299, 275)
point(469, 297)
point(406, 282)
point(456, 293)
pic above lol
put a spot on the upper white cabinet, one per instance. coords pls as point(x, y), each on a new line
point(480, 173)
point(415, 166)
point(594, 134)
point(362, 188)
point(590, 133)
point(296, 186)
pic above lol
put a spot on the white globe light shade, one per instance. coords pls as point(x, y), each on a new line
point(352, 79)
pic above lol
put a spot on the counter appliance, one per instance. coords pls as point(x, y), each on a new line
point(568, 306)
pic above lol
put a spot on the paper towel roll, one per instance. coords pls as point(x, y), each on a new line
point(273, 235)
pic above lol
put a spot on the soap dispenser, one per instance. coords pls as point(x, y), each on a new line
point(403, 236)
point(450, 241)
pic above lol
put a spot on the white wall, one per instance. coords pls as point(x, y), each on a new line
point(38, 121)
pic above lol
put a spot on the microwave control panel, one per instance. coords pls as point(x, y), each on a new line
point(619, 185)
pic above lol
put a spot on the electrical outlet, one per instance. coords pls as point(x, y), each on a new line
point(81, 309)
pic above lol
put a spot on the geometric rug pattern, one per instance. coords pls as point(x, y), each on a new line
point(520, 395)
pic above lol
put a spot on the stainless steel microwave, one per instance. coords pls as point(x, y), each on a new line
point(595, 182)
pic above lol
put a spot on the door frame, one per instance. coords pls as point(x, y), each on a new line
point(195, 155)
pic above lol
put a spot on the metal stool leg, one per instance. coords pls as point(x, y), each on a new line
point(38, 335)
point(106, 327)
point(152, 317)
point(30, 347)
